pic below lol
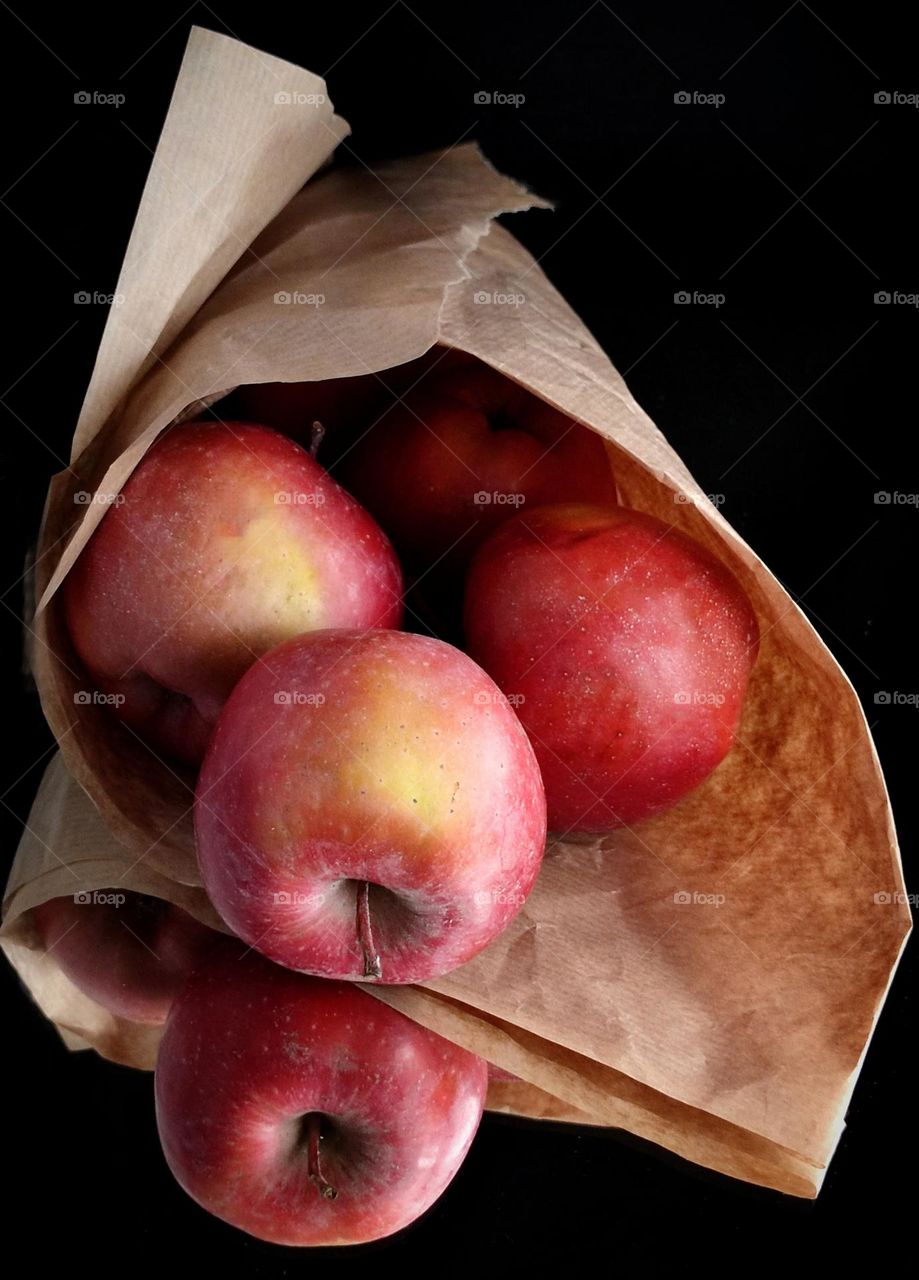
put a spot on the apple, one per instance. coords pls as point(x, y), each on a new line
point(226, 539)
point(626, 648)
point(345, 408)
point(460, 453)
point(307, 1112)
point(369, 807)
point(127, 951)
point(293, 407)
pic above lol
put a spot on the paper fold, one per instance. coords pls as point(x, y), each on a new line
point(709, 979)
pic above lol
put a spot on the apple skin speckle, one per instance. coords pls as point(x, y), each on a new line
point(628, 648)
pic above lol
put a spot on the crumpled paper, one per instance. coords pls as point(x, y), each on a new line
point(709, 979)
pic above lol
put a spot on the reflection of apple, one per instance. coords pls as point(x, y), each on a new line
point(463, 451)
point(127, 951)
point(307, 1112)
point(369, 807)
point(227, 539)
point(626, 647)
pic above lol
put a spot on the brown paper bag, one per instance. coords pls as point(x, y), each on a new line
point(709, 980)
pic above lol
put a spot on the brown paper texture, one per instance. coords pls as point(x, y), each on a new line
point(709, 979)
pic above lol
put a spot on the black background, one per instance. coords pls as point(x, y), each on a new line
point(793, 400)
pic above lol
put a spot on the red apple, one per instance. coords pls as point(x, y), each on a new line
point(626, 648)
point(461, 453)
point(369, 806)
point(307, 1112)
point(346, 408)
point(127, 951)
point(227, 539)
point(293, 407)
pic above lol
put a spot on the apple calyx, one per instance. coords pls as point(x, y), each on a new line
point(373, 968)
point(313, 1138)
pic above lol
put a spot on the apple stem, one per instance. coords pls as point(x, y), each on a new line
point(372, 966)
point(317, 435)
point(313, 1137)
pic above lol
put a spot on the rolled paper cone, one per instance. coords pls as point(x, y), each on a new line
point(710, 979)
